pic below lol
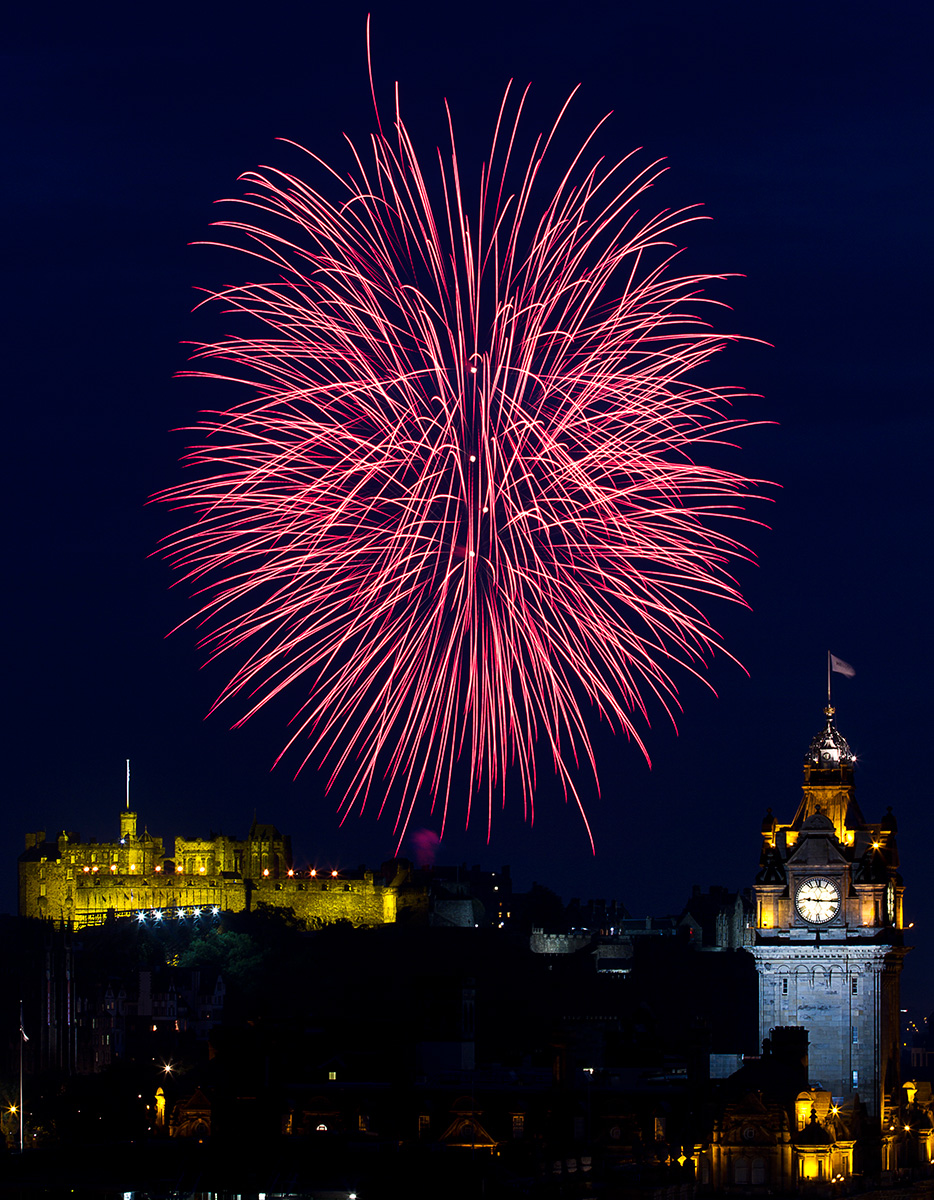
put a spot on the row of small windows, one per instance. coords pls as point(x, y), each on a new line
point(854, 986)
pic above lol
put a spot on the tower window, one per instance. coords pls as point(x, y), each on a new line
point(854, 985)
point(854, 1032)
point(784, 987)
point(856, 1079)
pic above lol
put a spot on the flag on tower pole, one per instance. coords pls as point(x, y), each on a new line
point(841, 668)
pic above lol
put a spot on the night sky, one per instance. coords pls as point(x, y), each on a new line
point(803, 128)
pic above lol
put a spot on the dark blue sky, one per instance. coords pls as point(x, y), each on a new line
point(804, 130)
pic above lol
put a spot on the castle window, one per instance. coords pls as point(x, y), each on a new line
point(856, 1079)
point(741, 1170)
point(784, 987)
point(854, 1033)
point(758, 1171)
point(854, 985)
point(424, 1123)
point(518, 1125)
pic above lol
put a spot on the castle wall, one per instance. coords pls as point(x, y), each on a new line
point(360, 901)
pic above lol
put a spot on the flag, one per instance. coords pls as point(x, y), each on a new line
point(25, 1035)
point(841, 667)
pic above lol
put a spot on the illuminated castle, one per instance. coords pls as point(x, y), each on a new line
point(68, 880)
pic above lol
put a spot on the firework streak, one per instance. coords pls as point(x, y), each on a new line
point(461, 509)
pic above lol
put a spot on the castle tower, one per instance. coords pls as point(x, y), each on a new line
point(829, 944)
point(127, 827)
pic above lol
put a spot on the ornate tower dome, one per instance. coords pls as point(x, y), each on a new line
point(829, 748)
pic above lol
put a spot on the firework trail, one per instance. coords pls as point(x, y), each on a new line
point(461, 509)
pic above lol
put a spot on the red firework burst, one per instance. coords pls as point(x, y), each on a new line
point(461, 508)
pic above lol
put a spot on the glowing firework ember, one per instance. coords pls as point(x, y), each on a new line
point(461, 509)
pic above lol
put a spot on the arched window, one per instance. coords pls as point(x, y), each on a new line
point(759, 1171)
point(741, 1170)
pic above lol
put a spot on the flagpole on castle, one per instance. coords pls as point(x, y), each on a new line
point(128, 776)
point(828, 677)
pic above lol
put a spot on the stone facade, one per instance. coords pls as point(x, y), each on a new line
point(80, 883)
point(829, 943)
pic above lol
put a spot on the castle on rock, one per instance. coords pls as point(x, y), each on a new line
point(67, 880)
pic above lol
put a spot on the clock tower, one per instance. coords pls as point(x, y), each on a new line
point(828, 943)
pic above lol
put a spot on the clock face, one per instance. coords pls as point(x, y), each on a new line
point(817, 901)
